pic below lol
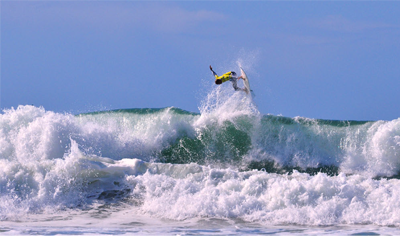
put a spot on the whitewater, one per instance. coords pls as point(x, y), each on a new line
point(225, 170)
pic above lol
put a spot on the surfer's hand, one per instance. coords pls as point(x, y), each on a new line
point(210, 67)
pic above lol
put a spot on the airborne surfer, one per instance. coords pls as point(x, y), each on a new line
point(231, 76)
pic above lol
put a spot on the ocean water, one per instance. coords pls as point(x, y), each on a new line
point(226, 170)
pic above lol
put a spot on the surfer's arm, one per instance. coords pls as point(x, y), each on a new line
point(215, 74)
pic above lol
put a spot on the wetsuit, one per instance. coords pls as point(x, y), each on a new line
point(231, 76)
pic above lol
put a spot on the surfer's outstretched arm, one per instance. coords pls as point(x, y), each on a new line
point(215, 74)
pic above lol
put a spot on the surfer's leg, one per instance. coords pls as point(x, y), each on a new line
point(234, 84)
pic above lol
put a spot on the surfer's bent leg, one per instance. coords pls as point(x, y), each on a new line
point(234, 83)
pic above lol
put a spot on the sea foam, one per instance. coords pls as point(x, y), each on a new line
point(226, 162)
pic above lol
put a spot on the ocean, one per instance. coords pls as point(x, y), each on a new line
point(225, 170)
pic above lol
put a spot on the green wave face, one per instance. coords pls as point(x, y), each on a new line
point(252, 141)
point(225, 134)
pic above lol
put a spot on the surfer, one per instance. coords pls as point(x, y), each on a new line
point(231, 76)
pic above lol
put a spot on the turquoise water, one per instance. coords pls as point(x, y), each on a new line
point(225, 170)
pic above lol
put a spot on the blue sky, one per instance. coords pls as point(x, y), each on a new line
point(329, 60)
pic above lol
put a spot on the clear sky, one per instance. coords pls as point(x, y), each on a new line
point(329, 60)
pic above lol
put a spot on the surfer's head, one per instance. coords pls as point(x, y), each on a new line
point(218, 81)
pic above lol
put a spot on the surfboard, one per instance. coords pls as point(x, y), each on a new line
point(245, 81)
